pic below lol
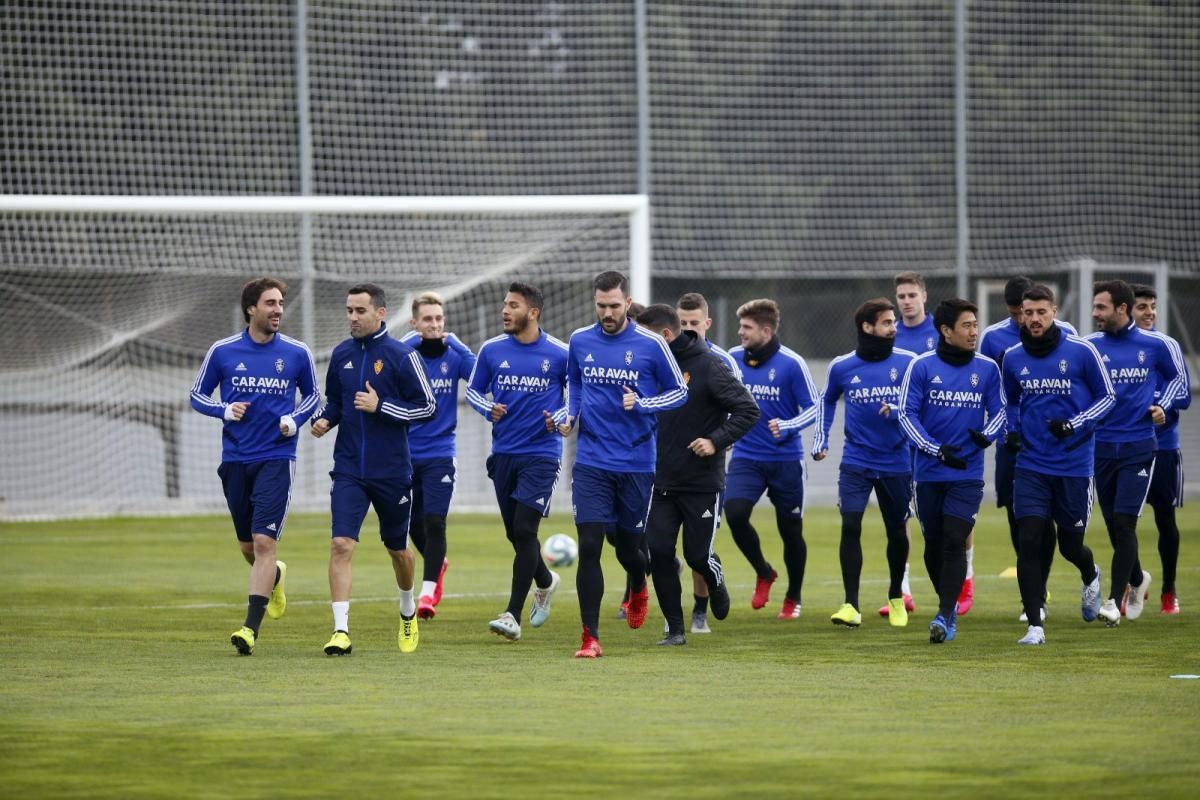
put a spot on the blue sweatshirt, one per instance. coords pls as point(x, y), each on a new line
point(873, 441)
point(1136, 361)
point(999, 336)
point(940, 401)
point(435, 439)
point(267, 377)
point(783, 388)
point(1068, 383)
point(918, 339)
point(724, 356)
point(1168, 434)
point(598, 366)
point(528, 379)
point(375, 445)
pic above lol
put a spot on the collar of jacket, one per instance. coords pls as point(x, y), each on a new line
point(756, 357)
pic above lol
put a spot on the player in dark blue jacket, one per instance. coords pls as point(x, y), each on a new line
point(915, 330)
point(951, 406)
point(619, 377)
point(259, 372)
point(876, 455)
point(1137, 361)
point(1057, 391)
point(770, 457)
point(432, 444)
point(375, 388)
point(525, 373)
point(1166, 485)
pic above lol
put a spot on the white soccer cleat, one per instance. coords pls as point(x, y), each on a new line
point(507, 626)
point(1089, 598)
point(1135, 603)
point(700, 623)
point(541, 601)
point(1035, 635)
point(1110, 613)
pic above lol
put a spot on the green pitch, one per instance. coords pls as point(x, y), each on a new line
point(119, 680)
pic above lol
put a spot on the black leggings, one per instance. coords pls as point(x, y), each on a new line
point(521, 528)
point(589, 577)
point(791, 531)
point(850, 555)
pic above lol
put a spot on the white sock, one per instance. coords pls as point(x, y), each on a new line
point(407, 606)
point(341, 615)
point(904, 587)
point(428, 588)
point(971, 561)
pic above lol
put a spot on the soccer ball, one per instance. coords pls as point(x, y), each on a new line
point(560, 550)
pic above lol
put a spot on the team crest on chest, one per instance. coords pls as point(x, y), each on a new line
point(974, 379)
point(279, 365)
point(929, 343)
point(545, 365)
point(628, 357)
point(378, 366)
point(1062, 366)
point(445, 368)
point(771, 374)
point(1141, 356)
point(893, 373)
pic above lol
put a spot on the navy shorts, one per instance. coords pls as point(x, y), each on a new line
point(783, 481)
point(1063, 498)
point(1166, 485)
point(939, 499)
point(1006, 468)
point(350, 498)
point(600, 495)
point(258, 495)
point(433, 486)
point(893, 491)
point(1123, 473)
point(527, 480)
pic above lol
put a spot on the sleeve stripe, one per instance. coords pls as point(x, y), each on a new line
point(905, 422)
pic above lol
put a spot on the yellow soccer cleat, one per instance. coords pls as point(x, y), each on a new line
point(409, 634)
point(243, 640)
point(278, 602)
point(897, 613)
point(846, 615)
point(339, 645)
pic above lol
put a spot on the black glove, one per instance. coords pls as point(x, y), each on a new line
point(1012, 442)
point(981, 441)
point(946, 456)
point(1061, 428)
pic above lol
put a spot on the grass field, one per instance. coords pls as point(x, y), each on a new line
point(119, 681)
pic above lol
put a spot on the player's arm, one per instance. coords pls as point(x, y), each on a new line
point(1095, 376)
point(734, 399)
point(672, 390)
point(207, 381)
point(806, 400)
point(414, 401)
point(310, 397)
point(1173, 372)
point(994, 403)
point(329, 416)
point(912, 399)
point(479, 386)
point(574, 391)
point(826, 410)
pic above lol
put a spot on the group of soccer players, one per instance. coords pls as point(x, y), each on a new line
point(655, 408)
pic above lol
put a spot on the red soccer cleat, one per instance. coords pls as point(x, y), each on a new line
point(790, 610)
point(762, 590)
point(437, 590)
point(1170, 603)
point(966, 597)
point(639, 605)
point(590, 647)
point(425, 607)
point(909, 606)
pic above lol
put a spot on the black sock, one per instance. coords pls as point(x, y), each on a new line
point(850, 555)
point(795, 552)
point(701, 604)
point(1029, 567)
point(897, 558)
point(255, 608)
point(631, 552)
point(433, 552)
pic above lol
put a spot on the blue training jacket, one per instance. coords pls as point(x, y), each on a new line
point(783, 388)
point(873, 441)
point(1136, 361)
point(435, 438)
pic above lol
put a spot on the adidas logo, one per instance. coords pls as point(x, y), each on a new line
point(1025, 370)
point(706, 515)
point(1143, 474)
point(271, 527)
point(1106, 358)
point(349, 365)
point(638, 525)
point(589, 358)
point(936, 379)
point(403, 500)
point(796, 510)
point(855, 379)
point(1078, 523)
point(240, 367)
point(541, 501)
point(447, 479)
point(504, 364)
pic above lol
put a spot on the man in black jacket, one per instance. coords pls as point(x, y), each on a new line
point(689, 473)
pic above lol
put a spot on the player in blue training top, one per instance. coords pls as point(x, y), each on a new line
point(876, 455)
point(259, 372)
point(951, 406)
point(770, 457)
point(1057, 390)
point(525, 372)
point(1137, 361)
point(994, 340)
point(432, 444)
point(375, 388)
point(619, 377)
point(915, 330)
point(1166, 485)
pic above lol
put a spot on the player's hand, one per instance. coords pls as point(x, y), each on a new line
point(821, 454)
point(320, 427)
point(564, 429)
point(1012, 442)
point(981, 441)
point(1157, 415)
point(703, 447)
point(498, 411)
point(773, 425)
point(287, 426)
point(367, 401)
point(885, 410)
point(629, 398)
point(1061, 428)
point(235, 411)
point(946, 455)
point(549, 419)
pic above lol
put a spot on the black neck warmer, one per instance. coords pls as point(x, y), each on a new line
point(1044, 345)
point(754, 357)
point(872, 347)
point(955, 356)
point(432, 348)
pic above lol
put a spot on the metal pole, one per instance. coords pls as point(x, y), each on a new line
point(640, 282)
point(304, 137)
point(960, 146)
